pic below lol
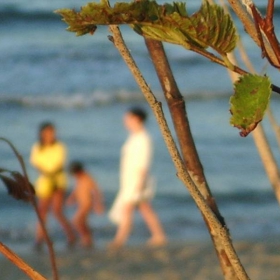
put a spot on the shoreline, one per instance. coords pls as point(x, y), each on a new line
point(177, 260)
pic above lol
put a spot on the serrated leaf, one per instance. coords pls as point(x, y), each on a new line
point(249, 102)
point(215, 29)
point(209, 27)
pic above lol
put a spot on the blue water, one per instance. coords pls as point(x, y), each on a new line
point(83, 86)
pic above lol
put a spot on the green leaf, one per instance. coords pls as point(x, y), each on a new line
point(214, 28)
point(209, 27)
point(249, 102)
point(77, 22)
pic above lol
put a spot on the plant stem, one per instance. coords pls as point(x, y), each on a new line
point(175, 155)
point(275, 126)
point(189, 153)
point(34, 204)
point(221, 62)
point(260, 139)
point(15, 259)
point(250, 28)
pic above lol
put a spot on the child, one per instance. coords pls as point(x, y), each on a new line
point(88, 197)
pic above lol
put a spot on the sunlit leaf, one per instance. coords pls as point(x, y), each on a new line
point(208, 27)
point(249, 102)
point(215, 28)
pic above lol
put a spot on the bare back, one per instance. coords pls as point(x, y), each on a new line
point(85, 189)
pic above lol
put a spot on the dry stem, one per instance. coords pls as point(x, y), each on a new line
point(34, 204)
point(29, 271)
point(175, 155)
point(250, 27)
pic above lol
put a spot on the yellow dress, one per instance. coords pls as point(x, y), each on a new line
point(50, 161)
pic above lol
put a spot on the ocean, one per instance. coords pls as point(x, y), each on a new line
point(83, 86)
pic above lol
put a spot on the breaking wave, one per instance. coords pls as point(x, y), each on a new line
point(98, 98)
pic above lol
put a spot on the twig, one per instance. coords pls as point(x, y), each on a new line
point(34, 204)
point(178, 111)
point(250, 26)
point(262, 25)
point(235, 68)
point(274, 125)
point(270, 12)
point(174, 153)
point(263, 34)
point(15, 259)
point(266, 155)
point(268, 29)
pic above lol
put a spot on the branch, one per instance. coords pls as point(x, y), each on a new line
point(34, 204)
point(266, 155)
point(266, 26)
point(270, 12)
point(269, 31)
point(169, 23)
point(174, 153)
point(15, 259)
point(275, 126)
point(249, 25)
point(177, 108)
point(264, 31)
point(221, 62)
point(259, 22)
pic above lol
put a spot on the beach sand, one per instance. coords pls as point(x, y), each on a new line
point(180, 260)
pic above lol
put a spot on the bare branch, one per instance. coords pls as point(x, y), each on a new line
point(270, 12)
point(34, 204)
point(248, 23)
point(175, 155)
point(15, 259)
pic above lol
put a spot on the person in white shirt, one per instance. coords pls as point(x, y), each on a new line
point(136, 190)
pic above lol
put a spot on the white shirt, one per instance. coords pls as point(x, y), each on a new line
point(136, 155)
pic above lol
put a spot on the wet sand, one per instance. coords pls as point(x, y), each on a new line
point(176, 261)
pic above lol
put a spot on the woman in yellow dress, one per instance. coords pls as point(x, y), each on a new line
point(48, 156)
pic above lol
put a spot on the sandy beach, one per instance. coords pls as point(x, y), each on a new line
point(195, 261)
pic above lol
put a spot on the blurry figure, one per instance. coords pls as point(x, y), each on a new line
point(48, 156)
point(136, 188)
point(88, 197)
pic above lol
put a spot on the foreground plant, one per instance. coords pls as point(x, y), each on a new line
point(209, 32)
point(20, 188)
point(209, 28)
point(213, 220)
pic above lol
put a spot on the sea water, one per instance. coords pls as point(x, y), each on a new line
point(83, 86)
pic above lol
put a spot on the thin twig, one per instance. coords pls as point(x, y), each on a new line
point(270, 12)
point(246, 19)
point(178, 111)
point(235, 68)
point(268, 29)
point(274, 125)
point(260, 24)
point(264, 30)
point(266, 154)
point(175, 155)
point(34, 204)
point(15, 259)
